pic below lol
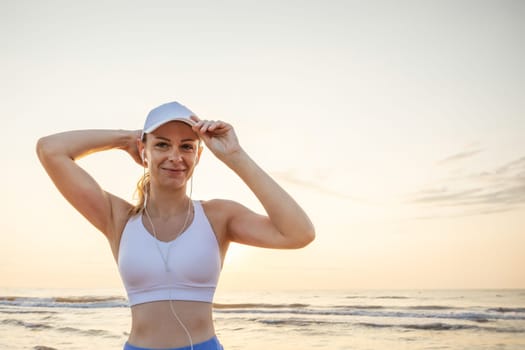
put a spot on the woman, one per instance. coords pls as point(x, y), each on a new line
point(170, 248)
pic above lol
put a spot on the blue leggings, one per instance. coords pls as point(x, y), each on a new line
point(212, 344)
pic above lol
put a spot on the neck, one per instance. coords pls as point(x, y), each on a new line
point(165, 205)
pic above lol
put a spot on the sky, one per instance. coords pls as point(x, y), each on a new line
point(399, 126)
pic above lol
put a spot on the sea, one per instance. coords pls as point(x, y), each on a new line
point(45, 319)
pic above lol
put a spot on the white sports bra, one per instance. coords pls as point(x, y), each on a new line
point(194, 262)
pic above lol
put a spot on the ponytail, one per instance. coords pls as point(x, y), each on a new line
point(142, 191)
point(143, 186)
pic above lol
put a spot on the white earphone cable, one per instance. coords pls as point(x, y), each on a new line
point(166, 259)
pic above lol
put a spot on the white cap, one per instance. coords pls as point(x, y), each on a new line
point(172, 111)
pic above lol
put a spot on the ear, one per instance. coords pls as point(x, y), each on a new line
point(141, 148)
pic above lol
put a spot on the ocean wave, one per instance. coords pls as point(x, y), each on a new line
point(382, 312)
point(379, 307)
point(29, 325)
point(65, 330)
point(87, 299)
point(359, 307)
point(507, 309)
point(64, 302)
point(23, 304)
point(393, 297)
point(18, 311)
point(87, 332)
point(439, 326)
point(301, 322)
point(256, 305)
point(431, 307)
point(433, 326)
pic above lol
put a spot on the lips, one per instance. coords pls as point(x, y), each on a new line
point(174, 170)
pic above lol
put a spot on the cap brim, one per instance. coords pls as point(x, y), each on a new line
point(151, 128)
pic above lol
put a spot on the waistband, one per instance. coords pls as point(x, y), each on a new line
point(211, 344)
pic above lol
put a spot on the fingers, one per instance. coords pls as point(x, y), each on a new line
point(210, 126)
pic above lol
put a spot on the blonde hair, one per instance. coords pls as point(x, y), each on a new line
point(142, 190)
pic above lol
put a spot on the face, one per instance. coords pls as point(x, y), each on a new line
point(172, 151)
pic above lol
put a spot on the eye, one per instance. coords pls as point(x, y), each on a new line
point(162, 145)
point(188, 147)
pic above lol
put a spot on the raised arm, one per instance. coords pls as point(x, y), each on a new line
point(58, 154)
point(286, 224)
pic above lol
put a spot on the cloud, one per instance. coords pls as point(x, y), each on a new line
point(290, 178)
point(460, 156)
point(496, 190)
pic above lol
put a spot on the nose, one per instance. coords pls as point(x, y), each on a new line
point(174, 155)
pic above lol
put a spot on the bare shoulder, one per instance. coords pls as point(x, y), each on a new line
point(221, 204)
point(219, 213)
point(218, 209)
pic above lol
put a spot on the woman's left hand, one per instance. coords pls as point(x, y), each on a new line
point(286, 224)
point(218, 136)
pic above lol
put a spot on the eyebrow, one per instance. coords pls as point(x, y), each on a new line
point(166, 139)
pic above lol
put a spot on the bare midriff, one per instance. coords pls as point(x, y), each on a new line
point(154, 325)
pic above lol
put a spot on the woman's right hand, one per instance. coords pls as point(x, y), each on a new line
point(132, 146)
point(58, 154)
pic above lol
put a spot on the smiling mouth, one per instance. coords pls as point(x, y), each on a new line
point(174, 171)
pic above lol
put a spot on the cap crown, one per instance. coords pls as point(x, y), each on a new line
point(172, 111)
